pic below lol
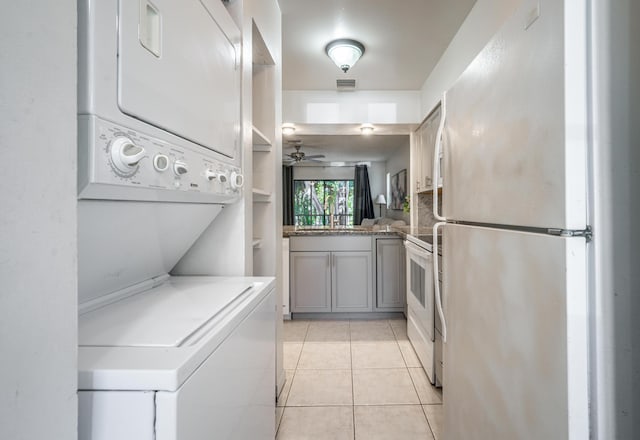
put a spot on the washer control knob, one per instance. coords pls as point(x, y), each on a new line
point(161, 162)
point(180, 168)
point(125, 155)
point(210, 175)
point(222, 177)
point(237, 180)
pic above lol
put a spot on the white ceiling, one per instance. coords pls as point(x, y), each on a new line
point(403, 41)
point(348, 148)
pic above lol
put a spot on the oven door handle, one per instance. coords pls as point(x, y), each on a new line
point(435, 280)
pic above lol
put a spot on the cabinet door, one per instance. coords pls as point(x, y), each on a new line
point(390, 274)
point(427, 134)
point(310, 285)
point(351, 281)
point(416, 159)
point(426, 153)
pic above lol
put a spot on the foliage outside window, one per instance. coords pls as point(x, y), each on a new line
point(316, 200)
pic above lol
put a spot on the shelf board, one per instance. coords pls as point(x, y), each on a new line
point(257, 243)
point(430, 191)
point(260, 141)
point(260, 195)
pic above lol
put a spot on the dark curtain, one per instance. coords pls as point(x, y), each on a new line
point(287, 195)
point(362, 201)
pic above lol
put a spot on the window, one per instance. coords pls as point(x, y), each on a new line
point(315, 200)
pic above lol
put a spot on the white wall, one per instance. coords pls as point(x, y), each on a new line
point(38, 310)
point(332, 107)
point(482, 22)
point(399, 161)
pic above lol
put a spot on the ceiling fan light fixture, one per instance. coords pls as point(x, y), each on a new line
point(344, 52)
point(366, 129)
point(288, 129)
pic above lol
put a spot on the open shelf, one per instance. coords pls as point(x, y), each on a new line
point(430, 191)
point(260, 141)
point(260, 195)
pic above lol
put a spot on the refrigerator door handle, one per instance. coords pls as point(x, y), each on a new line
point(435, 280)
point(437, 152)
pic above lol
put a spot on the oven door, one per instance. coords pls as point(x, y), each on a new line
point(420, 306)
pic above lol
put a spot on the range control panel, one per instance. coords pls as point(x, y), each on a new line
point(121, 163)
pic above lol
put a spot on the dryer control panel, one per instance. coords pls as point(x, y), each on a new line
point(119, 163)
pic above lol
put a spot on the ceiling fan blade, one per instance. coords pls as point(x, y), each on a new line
point(313, 160)
point(314, 156)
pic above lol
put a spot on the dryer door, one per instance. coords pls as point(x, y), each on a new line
point(179, 69)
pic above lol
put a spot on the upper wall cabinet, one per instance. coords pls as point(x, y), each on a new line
point(423, 150)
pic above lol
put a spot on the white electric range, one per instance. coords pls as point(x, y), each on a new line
point(424, 328)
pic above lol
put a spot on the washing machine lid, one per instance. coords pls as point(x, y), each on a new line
point(165, 316)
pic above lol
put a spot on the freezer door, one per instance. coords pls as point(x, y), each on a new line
point(515, 139)
point(515, 358)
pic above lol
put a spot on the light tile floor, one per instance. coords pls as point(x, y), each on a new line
point(355, 380)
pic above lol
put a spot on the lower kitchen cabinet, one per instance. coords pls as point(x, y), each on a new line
point(390, 274)
point(331, 274)
point(310, 281)
point(351, 288)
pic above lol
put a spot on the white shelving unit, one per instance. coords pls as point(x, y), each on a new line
point(262, 119)
point(265, 158)
point(260, 142)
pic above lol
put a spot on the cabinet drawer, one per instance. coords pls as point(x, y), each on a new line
point(330, 243)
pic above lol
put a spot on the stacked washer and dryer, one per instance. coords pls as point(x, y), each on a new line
point(159, 156)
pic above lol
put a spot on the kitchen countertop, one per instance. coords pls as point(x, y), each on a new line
point(400, 231)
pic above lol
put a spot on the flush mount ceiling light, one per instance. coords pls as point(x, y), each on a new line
point(344, 52)
point(288, 129)
point(366, 129)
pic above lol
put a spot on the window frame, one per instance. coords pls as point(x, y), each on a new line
point(343, 219)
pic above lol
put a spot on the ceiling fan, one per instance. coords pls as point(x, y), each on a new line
point(299, 156)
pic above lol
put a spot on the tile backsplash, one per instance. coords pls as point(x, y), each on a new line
point(424, 208)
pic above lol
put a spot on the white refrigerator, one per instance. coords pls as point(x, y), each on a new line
point(514, 148)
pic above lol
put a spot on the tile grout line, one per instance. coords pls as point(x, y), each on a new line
point(353, 396)
point(284, 406)
point(415, 388)
point(433, 433)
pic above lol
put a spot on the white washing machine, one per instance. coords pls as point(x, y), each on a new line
point(164, 357)
point(190, 359)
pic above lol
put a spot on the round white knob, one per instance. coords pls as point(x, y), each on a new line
point(237, 180)
point(222, 177)
point(210, 175)
point(161, 162)
point(125, 155)
point(180, 168)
